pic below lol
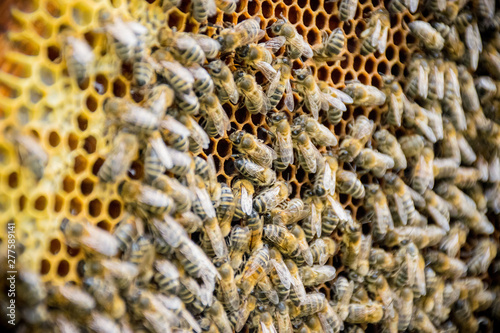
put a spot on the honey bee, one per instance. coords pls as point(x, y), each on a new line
point(330, 47)
point(470, 99)
point(92, 238)
point(210, 46)
point(453, 107)
point(463, 316)
point(254, 97)
point(302, 240)
point(378, 285)
point(79, 58)
point(127, 36)
point(106, 296)
point(179, 193)
point(246, 32)
point(319, 133)
point(238, 244)
point(271, 197)
point(348, 183)
point(329, 320)
point(70, 297)
point(280, 85)
point(281, 237)
point(297, 292)
point(145, 199)
point(307, 154)
point(423, 174)
point(243, 192)
point(166, 276)
point(381, 217)
point(100, 323)
point(438, 209)
point(314, 98)
point(382, 260)
point(421, 322)
point(322, 249)
point(331, 217)
point(311, 304)
point(203, 83)
point(224, 81)
point(429, 37)
point(142, 254)
point(347, 9)
point(216, 120)
point(359, 135)
point(282, 317)
point(279, 267)
point(375, 36)
point(466, 177)
point(484, 253)
point(325, 180)
point(373, 161)
point(418, 79)
point(255, 223)
point(197, 137)
point(416, 116)
point(255, 173)
point(351, 244)
point(436, 80)
point(226, 208)
point(219, 317)
point(266, 291)
point(202, 10)
point(282, 144)
point(344, 289)
point(466, 151)
point(292, 212)
point(190, 292)
point(447, 266)
point(239, 317)
point(255, 268)
point(227, 6)
point(227, 287)
point(400, 202)
point(388, 144)
point(258, 57)
point(371, 312)
point(312, 223)
point(363, 263)
point(435, 120)
point(133, 117)
point(394, 95)
point(254, 148)
point(364, 95)
point(296, 45)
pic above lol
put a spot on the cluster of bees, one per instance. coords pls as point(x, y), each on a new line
point(196, 254)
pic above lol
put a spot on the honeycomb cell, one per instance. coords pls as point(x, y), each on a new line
point(83, 122)
point(267, 9)
point(254, 7)
point(320, 21)
point(307, 17)
point(136, 170)
point(101, 84)
point(47, 76)
point(313, 36)
point(54, 139)
point(58, 203)
point(119, 88)
point(63, 268)
point(68, 184)
point(55, 246)
point(224, 148)
point(72, 252)
point(280, 10)
point(90, 144)
point(95, 208)
point(13, 180)
point(80, 164)
point(86, 186)
point(382, 67)
point(72, 141)
point(75, 206)
point(104, 225)
point(53, 9)
point(81, 13)
point(114, 209)
point(45, 267)
point(294, 14)
point(41, 203)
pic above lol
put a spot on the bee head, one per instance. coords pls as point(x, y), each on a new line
point(236, 137)
point(242, 51)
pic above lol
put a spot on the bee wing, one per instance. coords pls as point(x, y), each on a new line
point(101, 241)
point(285, 146)
point(205, 201)
point(473, 37)
point(298, 287)
point(346, 99)
point(327, 135)
point(412, 5)
point(422, 82)
point(82, 52)
point(314, 106)
point(284, 323)
point(338, 209)
point(306, 251)
point(212, 171)
point(178, 70)
point(217, 117)
point(198, 134)
point(400, 209)
point(309, 154)
point(121, 269)
point(375, 35)
point(420, 275)
point(122, 32)
point(266, 69)
point(246, 201)
point(333, 101)
point(173, 125)
point(289, 103)
point(327, 178)
point(230, 88)
point(167, 268)
point(438, 218)
point(382, 41)
point(283, 272)
point(323, 257)
point(307, 51)
point(273, 83)
point(315, 220)
point(137, 28)
point(439, 79)
point(255, 170)
point(450, 244)
point(216, 239)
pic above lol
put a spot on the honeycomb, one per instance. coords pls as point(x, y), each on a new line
point(68, 118)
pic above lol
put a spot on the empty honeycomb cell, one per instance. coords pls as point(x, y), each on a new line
point(42, 27)
point(54, 139)
point(119, 88)
point(45, 267)
point(81, 13)
point(396, 70)
point(35, 95)
point(307, 17)
point(13, 180)
point(363, 78)
point(302, 3)
point(83, 122)
point(241, 115)
point(403, 55)
point(80, 164)
point(58, 203)
point(352, 44)
point(382, 67)
point(313, 36)
point(75, 206)
point(63, 268)
point(337, 75)
point(86, 186)
point(254, 7)
point(389, 52)
point(104, 225)
point(55, 246)
point(68, 184)
point(22, 202)
point(114, 209)
point(72, 252)
point(229, 168)
point(223, 148)
point(267, 9)
point(72, 141)
point(294, 14)
point(47, 76)
point(53, 8)
point(280, 10)
point(323, 73)
point(357, 63)
point(40, 203)
point(95, 208)
point(90, 144)
point(376, 81)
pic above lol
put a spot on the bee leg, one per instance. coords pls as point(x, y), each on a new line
point(268, 132)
